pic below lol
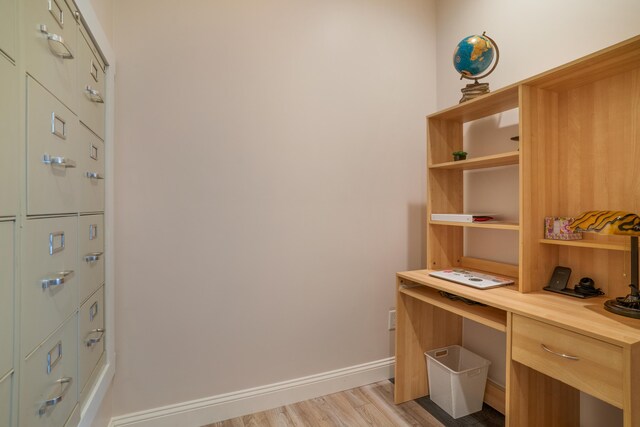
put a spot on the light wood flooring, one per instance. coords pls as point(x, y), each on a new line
point(370, 405)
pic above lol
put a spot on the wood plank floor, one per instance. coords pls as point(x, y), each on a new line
point(370, 405)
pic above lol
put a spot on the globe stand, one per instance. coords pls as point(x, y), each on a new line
point(473, 90)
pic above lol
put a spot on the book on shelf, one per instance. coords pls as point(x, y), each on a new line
point(472, 217)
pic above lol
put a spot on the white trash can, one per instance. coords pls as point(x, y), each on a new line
point(457, 378)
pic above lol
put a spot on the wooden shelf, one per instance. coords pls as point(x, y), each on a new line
point(488, 316)
point(502, 159)
point(611, 61)
point(498, 101)
point(587, 244)
point(494, 225)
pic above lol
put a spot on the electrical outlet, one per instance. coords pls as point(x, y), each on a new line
point(392, 320)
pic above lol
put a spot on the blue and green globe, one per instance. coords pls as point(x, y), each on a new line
point(473, 55)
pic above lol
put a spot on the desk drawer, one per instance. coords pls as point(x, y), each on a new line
point(585, 363)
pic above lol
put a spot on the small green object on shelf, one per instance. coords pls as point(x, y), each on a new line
point(459, 155)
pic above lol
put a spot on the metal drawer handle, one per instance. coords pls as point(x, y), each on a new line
point(56, 280)
point(94, 175)
point(94, 95)
point(93, 341)
point(58, 161)
point(566, 356)
point(56, 44)
point(93, 257)
point(65, 384)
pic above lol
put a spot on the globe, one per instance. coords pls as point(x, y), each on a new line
point(473, 55)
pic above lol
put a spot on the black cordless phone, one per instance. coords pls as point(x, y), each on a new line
point(559, 278)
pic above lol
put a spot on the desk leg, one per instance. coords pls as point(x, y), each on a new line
point(419, 327)
point(631, 386)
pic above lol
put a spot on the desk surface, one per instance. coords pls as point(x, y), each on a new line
point(584, 316)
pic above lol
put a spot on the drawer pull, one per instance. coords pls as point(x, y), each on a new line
point(56, 44)
point(94, 175)
point(65, 384)
point(94, 95)
point(58, 161)
point(566, 356)
point(56, 280)
point(93, 257)
point(93, 341)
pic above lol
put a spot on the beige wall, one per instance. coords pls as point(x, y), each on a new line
point(533, 36)
point(104, 12)
point(270, 168)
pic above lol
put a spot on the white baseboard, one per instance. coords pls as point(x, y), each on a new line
point(208, 410)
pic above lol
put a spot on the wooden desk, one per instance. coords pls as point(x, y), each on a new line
point(542, 388)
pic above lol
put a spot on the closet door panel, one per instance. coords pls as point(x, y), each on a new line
point(49, 277)
point(52, 154)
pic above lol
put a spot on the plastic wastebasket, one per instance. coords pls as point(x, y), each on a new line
point(457, 379)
